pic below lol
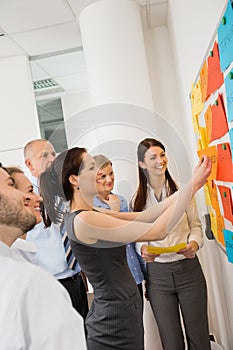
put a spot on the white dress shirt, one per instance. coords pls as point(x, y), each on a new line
point(50, 254)
point(35, 310)
point(189, 229)
point(24, 249)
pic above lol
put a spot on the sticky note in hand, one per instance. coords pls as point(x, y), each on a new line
point(163, 250)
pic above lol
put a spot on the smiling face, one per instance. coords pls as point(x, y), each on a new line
point(14, 209)
point(155, 161)
point(105, 180)
point(87, 176)
point(23, 184)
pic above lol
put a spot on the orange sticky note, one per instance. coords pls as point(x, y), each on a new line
point(208, 123)
point(217, 226)
point(213, 195)
point(212, 153)
point(226, 199)
point(204, 81)
point(215, 76)
point(220, 228)
point(219, 120)
point(224, 161)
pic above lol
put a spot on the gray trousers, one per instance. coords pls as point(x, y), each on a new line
point(179, 284)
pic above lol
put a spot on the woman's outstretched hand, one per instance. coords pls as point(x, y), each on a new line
point(201, 172)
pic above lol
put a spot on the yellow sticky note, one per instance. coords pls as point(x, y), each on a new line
point(203, 137)
point(213, 221)
point(207, 195)
point(196, 98)
point(163, 250)
point(195, 120)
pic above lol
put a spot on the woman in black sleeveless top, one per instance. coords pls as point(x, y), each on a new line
point(98, 240)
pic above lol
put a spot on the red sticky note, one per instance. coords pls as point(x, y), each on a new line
point(226, 199)
point(219, 120)
point(208, 123)
point(224, 162)
point(215, 76)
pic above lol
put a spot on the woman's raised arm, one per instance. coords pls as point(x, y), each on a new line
point(149, 225)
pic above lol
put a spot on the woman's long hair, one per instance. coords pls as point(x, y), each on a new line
point(139, 202)
point(55, 187)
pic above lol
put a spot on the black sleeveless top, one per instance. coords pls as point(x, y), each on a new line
point(115, 317)
point(104, 263)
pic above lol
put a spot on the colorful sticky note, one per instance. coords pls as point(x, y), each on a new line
point(224, 161)
point(207, 195)
point(203, 81)
point(213, 222)
point(228, 238)
point(220, 228)
point(225, 193)
point(212, 153)
point(208, 123)
point(163, 250)
point(196, 99)
point(195, 119)
point(213, 195)
point(219, 121)
point(215, 76)
point(231, 141)
point(225, 37)
point(229, 95)
point(203, 137)
point(199, 144)
point(217, 226)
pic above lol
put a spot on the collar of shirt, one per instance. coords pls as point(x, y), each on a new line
point(24, 245)
point(4, 249)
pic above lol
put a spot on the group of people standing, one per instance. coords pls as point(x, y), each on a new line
point(109, 244)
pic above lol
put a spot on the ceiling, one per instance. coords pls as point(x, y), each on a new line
point(47, 31)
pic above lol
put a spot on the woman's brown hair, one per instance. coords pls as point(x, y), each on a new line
point(55, 187)
point(139, 202)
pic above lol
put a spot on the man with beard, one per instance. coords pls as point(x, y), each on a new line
point(36, 311)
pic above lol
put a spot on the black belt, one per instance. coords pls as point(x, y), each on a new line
point(72, 278)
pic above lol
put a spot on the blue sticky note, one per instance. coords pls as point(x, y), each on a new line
point(228, 237)
point(229, 94)
point(231, 142)
point(225, 38)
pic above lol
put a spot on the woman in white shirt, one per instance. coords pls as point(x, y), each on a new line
point(175, 281)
